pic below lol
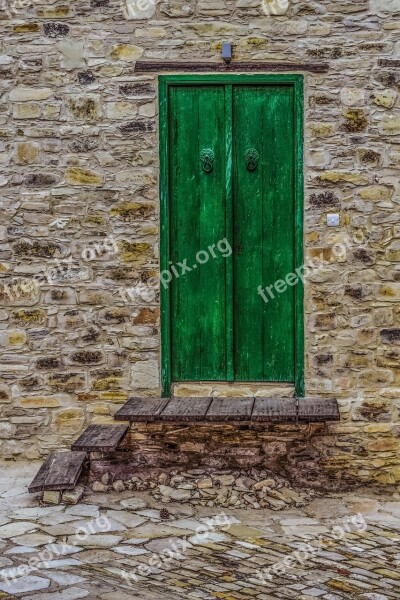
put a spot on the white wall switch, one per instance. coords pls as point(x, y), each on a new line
point(333, 220)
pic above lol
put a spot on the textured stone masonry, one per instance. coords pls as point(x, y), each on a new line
point(79, 316)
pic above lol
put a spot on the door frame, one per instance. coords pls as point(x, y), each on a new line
point(297, 82)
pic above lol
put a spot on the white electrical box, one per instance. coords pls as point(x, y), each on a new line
point(333, 220)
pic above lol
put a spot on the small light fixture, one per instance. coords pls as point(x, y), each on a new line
point(226, 52)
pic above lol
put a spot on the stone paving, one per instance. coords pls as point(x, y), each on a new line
point(116, 547)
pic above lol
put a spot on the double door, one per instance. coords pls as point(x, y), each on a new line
point(231, 232)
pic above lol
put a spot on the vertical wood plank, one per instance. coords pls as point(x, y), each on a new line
point(264, 233)
point(164, 236)
point(248, 233)
point(278, 246)
point(230, 373)
point(198, 223)
point(184, 229)
point(299, 219)
point(211, 318)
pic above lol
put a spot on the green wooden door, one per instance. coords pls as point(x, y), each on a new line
point(231, 177)
point(197, 220)
point(263, 209)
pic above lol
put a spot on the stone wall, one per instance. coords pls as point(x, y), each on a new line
point(299, 453)
point(79, 221)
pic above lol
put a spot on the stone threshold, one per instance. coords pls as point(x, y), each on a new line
point(228, 389)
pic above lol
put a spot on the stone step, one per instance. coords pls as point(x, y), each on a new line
point(101, 438)
point(60, 471)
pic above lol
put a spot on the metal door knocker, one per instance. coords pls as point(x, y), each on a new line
point(207, 158)
point(252, 158)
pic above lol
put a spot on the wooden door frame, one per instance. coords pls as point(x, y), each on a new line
point(297, 82)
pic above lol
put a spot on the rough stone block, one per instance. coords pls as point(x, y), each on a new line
point(28, 110)
point(27, 153)
point(72, 54)
point(25, 94)
point(145, 374)
point(384, 6)
point(385, 98)
point(73, 496)
point(352, 96)
point(126, 52)
point(390, 336)
point(51, 497)
point(275, 7)
point(68, 421)
point(39, 401)
point(80, 176)
point(87, 357)
point(390, 125)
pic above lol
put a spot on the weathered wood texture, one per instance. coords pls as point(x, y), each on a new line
point(148, 66)
point(141, 409)
point(186, 409)
point(60, 471)
point(268, 410)
point(278, 410)
point(263, 240)
point(101, 438)
point(230, 409)
point(197, 220)
point(221, 326)
point(318, 409)
point(37, 484)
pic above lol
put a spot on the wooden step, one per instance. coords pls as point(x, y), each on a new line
point(318, 409)
point(101, 438)
point(191, 409)
point(60, 471)
point(229, 409)
point(217, 410)
point(141, 409)
point(275, 410)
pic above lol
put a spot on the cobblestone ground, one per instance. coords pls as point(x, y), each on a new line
point(117, 547)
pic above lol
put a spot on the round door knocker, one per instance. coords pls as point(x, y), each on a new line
point(252, 157)
point(207, 158)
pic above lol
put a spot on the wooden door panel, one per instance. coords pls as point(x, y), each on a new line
point(263, 217)
point(198, 297)
point(248, 187)
point(279, 246)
